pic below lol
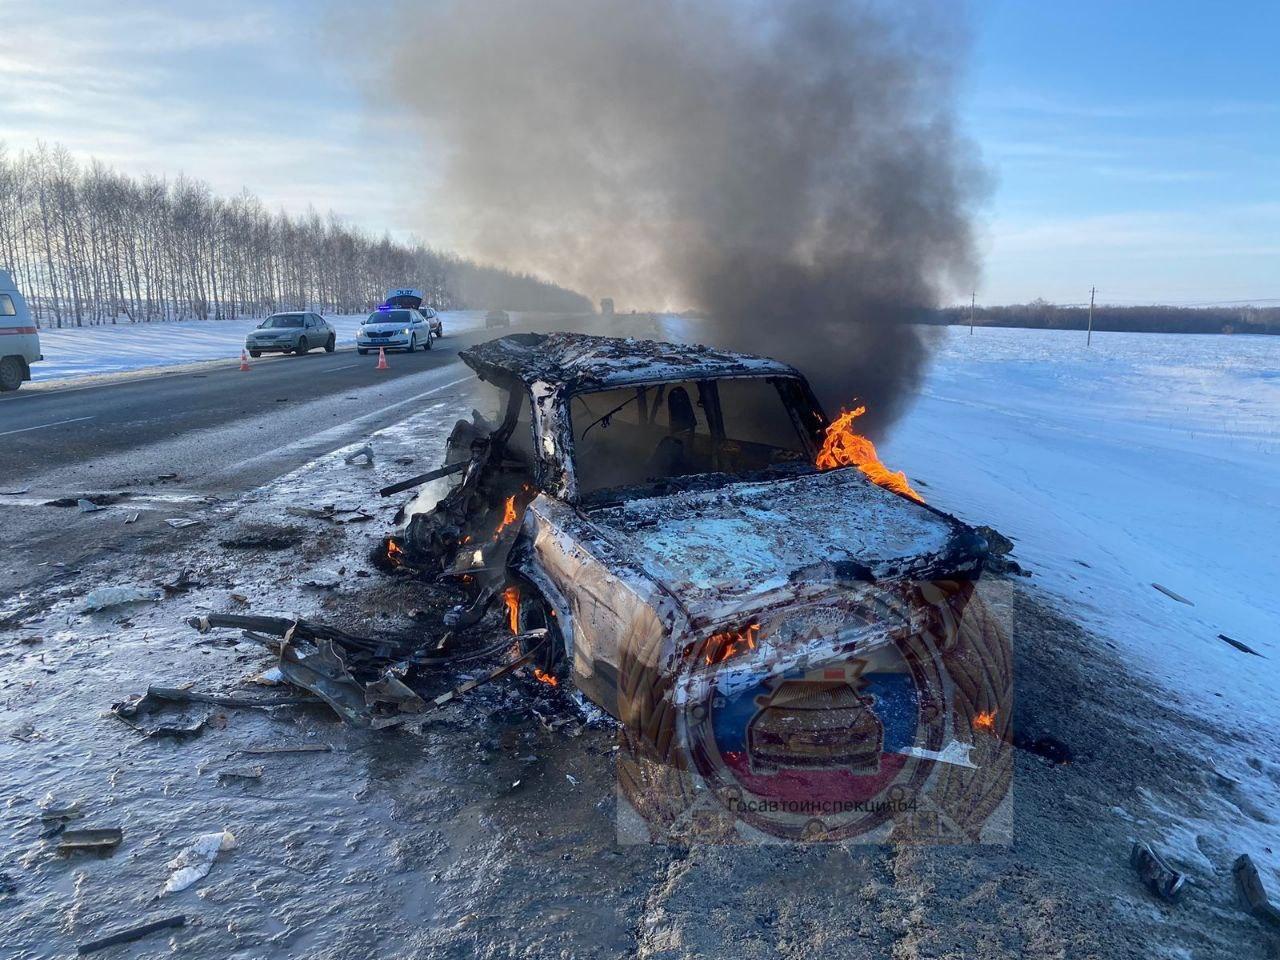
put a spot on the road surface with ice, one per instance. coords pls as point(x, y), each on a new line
point(485, 833)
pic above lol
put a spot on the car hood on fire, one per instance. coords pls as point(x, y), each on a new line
point(724, 546)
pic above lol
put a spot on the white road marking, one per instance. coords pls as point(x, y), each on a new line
point(345, 366)
point(45, 426)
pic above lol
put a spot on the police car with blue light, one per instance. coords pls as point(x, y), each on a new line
point(401, 323)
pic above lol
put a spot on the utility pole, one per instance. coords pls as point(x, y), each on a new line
point(1089, 339)
point(973, 298)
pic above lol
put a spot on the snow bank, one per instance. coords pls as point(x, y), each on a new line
point(1146, 458)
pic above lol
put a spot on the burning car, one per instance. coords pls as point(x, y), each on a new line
point(651, 499)
point(691, 530)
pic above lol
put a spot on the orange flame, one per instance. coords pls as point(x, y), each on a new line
point(511, 597)
point(543, 677)
point(395, 552)
point(985, 720)
point(842, 447)
point(508, 515)
point(724, 645)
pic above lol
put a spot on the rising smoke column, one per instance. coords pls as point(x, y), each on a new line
point(790, 168)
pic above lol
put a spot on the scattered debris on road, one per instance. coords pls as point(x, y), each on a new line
point(195, 862)
point(241, 774)
point(95, 499)
point(88, 506)
point(183, 584)
point(265, 538)
point(287, 748)
point(322, 579)
point(1160, 878)
point(1173, 596)
point(90, 840)
point(1252, 891)
point(365, 453)
point(151, 713)
point(329, 512)
point(130, 934)
point(1243, 647)
point(105, 597)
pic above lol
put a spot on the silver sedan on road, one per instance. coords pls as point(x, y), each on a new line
point(394, 329)
point(291, 333)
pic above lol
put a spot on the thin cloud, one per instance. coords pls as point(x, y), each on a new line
point(1033, 102)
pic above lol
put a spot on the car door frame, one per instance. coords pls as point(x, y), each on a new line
point(322, 330)
point(308, 331)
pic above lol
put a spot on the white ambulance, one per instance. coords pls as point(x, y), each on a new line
point(19, 341)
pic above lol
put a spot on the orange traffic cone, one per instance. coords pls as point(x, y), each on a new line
point(382, 359)
point(244, 361)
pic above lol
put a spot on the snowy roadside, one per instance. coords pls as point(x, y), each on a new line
point(73, 353)
point(1144, 459)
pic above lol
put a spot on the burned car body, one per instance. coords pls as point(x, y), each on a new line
point(657, 515)
point(655, 525)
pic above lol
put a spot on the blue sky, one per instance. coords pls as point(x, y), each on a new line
point(1133, 146)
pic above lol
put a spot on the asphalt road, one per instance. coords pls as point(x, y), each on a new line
point(175, 440)
point(49, 428)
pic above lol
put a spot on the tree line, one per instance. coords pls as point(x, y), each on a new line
point(1143, 319)
point(90, 245)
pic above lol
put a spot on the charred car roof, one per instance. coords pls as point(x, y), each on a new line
point(582, 362)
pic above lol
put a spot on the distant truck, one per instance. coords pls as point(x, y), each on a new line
point(19, 339)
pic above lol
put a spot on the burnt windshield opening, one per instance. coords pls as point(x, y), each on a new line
point(645, 438)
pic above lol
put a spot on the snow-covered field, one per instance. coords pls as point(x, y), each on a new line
point(1146, 458)
point(85, 351)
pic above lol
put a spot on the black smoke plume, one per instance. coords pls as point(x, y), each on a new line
point(791, 169)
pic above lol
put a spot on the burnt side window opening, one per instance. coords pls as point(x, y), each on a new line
point(507, 409)
point(636, 435)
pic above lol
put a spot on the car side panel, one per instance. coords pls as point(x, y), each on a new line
point(618, 626)
point(18, 334)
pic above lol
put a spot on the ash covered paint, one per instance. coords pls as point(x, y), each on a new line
point(753, 537)
point(577, 360)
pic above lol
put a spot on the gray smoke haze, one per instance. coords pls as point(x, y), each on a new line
point(789, 168)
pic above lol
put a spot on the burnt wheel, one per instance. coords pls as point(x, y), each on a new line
point(536, 614)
